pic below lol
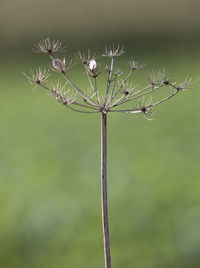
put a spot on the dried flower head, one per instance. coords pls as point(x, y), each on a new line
point(135, 65)
point(186, 84)
point(38, 77)
point(63, 96)
point(47, 46)
point(156, 78)
point(145, 107)
point(85, 58)
point(118, 73)
point(112, 52)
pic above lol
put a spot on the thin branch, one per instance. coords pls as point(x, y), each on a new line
point(117, 102)
point(88, 76)
point(163, 100)
point(79, 91)
point(123, 84)
point(45, 87)
point(141, 90)
point(130, 111)
point(138, 96)
point(74, 103)
point(109, 81)
point(85, 106)
point(85, 112)
point(113, 89)
point(96, 92)
point(94, 87)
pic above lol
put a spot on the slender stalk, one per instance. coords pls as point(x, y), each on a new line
point(113, 90)
point(96, 93)
point(109, 80)
point(123, 84)
point(79, 91)
point(163, 100)
point(104, 204)
point(119, 102)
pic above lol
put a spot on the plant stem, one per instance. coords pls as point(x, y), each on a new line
point(104, 204)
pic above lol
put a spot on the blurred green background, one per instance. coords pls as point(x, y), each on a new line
point(49, 156)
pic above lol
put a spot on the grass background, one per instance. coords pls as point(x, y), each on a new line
point(50, 176)
point(50, 156)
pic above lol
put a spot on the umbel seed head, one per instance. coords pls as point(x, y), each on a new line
point(118, 90)
point(48, 47)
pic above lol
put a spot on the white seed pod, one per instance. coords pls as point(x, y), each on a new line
point(92, 65)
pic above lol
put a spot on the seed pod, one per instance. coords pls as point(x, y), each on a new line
point(92, 68)
point(93, 65)
point(59, 65)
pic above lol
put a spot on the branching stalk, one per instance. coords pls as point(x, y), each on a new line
point(94, 88)
point(79, 91)
point(123, 84)
point(84, 103)
point(163, 100)
point(113, 90)
point(109, 80)
point(121, 101)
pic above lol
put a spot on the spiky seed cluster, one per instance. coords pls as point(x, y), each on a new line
point(63, 96)
point(144, 106)
point(112, 52)
point(85, 58)
point(117, 91)
point(135, 65)
point(157, 78)
point(47, 46)
point(186, 84)
point(118, 73)
point(38, 77)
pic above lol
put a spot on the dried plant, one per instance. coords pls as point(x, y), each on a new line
point(117, 92)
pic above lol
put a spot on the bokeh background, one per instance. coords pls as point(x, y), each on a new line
point(49, 156)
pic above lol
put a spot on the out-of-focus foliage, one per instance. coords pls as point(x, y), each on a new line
point(95, 20)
